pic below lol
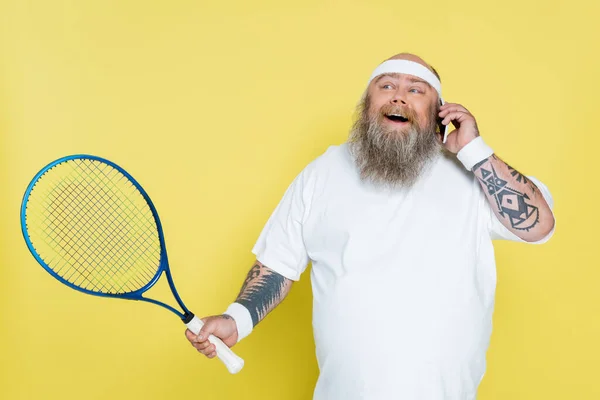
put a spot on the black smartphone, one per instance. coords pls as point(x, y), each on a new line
point(442, 129)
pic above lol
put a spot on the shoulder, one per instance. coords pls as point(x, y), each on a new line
point(334, 157)
point(449, 169)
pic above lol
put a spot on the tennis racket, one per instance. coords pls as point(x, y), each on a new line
point(92, 226)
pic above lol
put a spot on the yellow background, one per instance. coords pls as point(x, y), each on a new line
point(215, 107)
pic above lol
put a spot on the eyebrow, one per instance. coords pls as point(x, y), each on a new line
point(417, 80)
point(397, 75)
point(388, 75)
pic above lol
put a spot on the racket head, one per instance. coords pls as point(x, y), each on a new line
point(93, 227)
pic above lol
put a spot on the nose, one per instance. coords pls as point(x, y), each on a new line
point(398, 98)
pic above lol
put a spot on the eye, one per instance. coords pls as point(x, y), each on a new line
point(415, 90)
point(387, 86)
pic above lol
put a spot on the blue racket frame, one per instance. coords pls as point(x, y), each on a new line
point(163, 266)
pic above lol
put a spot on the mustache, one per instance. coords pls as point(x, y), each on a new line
point(405, 111)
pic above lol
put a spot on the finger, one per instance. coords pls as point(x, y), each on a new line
point(204, 352)
point(206, 347)
point(200, 338)
point(210, 326)
point(450, 117)
point(454, 108)
point(451, 105)
point(208, 350)
point(445, 106)
point(457, 116)
point(212, 355)
point(191, 336)
point(202, 346)
point(208, 329)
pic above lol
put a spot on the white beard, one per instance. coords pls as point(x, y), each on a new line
point(392, 158)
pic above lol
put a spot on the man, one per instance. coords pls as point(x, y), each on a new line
point(398, 224)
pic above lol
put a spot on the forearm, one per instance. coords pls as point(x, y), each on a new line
point(516, 201)
point(262, 291)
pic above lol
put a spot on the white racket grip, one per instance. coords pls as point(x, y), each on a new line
point(231, 360)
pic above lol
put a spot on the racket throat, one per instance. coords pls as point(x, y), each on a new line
point(187, 317)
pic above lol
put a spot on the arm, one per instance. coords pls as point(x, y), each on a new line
point(516, 200)
point(262, 291)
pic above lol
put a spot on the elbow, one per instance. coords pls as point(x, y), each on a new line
point(544, 231)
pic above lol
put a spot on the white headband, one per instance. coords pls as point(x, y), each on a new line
point(411, 68)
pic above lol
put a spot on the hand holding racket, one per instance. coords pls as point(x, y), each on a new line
point(94, 228)
point(222, 326)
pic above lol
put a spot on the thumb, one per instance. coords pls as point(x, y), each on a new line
point(209, 327)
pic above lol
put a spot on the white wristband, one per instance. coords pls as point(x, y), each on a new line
point(243, 319)
point(475, 151)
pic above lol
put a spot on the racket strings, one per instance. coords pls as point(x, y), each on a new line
point(101, 251)
point(70, 195)
point(71, 253)
point(106, 211)
point(115, 209)
point(93, 228)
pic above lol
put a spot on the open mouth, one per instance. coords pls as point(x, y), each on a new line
point(396, 118)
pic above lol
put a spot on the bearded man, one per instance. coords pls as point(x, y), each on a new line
point(398, 223)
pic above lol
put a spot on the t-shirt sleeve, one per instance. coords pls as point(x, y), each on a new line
point(500, 232)
point(280, 245)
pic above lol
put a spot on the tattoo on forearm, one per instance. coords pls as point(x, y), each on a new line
point(511, 203)
point(262, 290)
point(480, 163)
point(252, 274)
point(520, 177)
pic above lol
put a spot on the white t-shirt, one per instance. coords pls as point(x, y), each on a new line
point(403, 281)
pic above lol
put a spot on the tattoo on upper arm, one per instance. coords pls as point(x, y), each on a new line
point(262, 290)
point(511, 203)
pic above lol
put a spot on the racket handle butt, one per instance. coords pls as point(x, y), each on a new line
point(232, 361)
